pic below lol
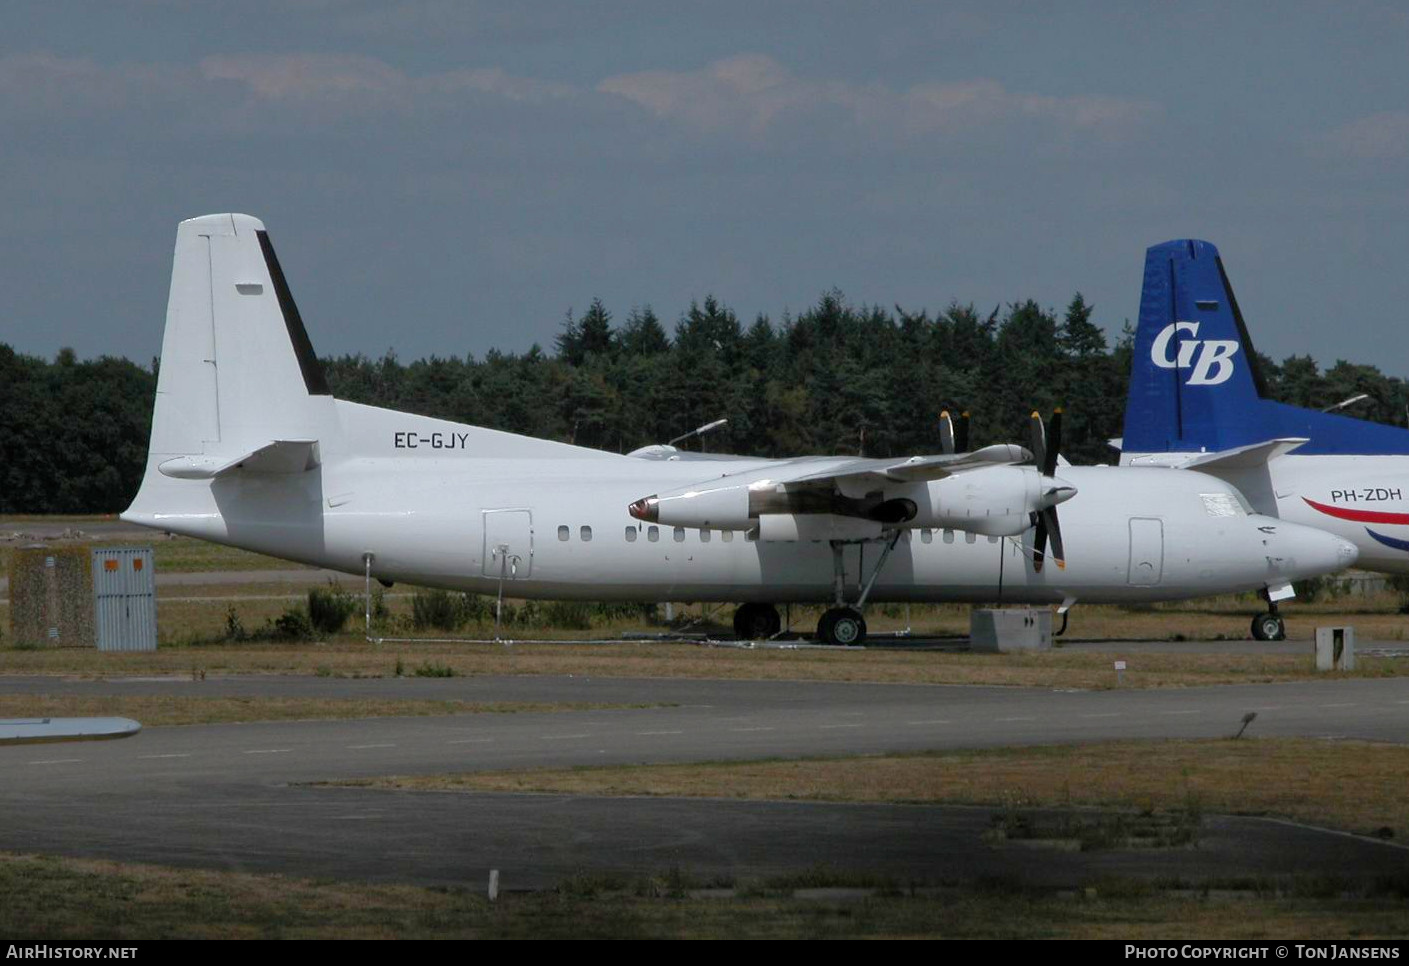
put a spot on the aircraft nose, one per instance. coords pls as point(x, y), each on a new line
point(1308, 552)
point(1348, 552)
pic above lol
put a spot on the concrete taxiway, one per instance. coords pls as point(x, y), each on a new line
point(235, 796)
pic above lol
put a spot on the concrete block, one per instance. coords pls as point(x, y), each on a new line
point(1010, 629)
point(1335, 648)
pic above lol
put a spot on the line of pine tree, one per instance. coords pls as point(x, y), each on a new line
point(836, 378)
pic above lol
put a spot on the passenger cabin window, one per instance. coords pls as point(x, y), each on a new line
point(679, 534)
point(630, 534)
point(927, 536)
point(653, 534)
point(948, 536)
point(727, 536)
point(562, 533)
point(970, 537)
point(704, 536)
point(586, 534)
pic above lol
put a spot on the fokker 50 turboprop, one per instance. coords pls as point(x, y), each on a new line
point(1198, 401)
point(249, 448)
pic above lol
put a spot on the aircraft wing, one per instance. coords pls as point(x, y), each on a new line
point(915, 469)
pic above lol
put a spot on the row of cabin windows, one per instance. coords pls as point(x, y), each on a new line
point(653, 535)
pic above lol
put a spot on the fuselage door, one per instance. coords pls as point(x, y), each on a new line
point(1146, 551)
point(508, 543)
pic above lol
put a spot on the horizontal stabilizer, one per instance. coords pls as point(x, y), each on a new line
point(280, 456)
point(1243, 457)
point(24, 731)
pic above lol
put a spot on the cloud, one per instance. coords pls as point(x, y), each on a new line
point(42, 85)
point(46, 87)
point(751, 97)
point(754, 93)
point(293, 76)
point(371, 81)
point(1378, 137)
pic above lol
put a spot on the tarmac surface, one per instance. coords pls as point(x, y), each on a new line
point(238, 796)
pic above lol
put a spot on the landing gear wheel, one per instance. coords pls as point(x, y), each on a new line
point(756, 622)
point(842, 626)
point(1269, 627)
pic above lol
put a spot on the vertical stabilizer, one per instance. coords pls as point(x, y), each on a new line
point(237, 367)
point(1195, 383)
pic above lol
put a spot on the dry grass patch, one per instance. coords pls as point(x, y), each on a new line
point(157, 710)
point(172, 554)
point(1353, 785)
point(63, 898)
point(1057, 668)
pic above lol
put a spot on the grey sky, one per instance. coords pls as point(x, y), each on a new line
point(448, 177)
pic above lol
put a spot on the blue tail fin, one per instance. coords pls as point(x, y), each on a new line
point(1194, 381)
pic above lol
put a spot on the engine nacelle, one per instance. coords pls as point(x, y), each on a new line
point(724, 508)
point(996, 502)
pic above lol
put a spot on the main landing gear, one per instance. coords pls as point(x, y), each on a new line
point(756, 622)
point(1269, 626)
point(842, 625)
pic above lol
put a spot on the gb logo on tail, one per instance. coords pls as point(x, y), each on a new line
point(1210, 359)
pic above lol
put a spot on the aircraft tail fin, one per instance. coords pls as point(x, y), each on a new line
point(1195, 381)
point(237, 368)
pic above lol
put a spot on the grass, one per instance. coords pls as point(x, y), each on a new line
point(1352, 785)
point(353, 658)
point(194, 622)
point(68, 898)
point(153, 711)
point(173, 554)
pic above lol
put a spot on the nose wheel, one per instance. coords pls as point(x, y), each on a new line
point(1269, 627)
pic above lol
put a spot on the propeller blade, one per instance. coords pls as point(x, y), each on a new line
point(961, 440)
point(1054, 445)
point(1049, 517)
point(1039, 542)
point(1038, 435)
point(946, 433)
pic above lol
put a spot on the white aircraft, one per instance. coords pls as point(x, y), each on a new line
point(250, 449)
point(1197, 401)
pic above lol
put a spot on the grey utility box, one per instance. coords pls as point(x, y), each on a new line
point(1010, 629)
point(125, 599)
point(1335, 649)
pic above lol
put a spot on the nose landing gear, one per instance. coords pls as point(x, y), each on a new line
point(1269, 626)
